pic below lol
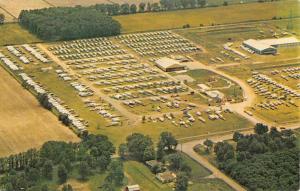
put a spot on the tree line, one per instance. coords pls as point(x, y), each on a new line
point(25, 171)
point(67, 23)
point(163, 5)
point(266, 160)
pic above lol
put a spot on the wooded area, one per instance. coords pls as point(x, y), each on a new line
point(266, 160)
point(68, 23)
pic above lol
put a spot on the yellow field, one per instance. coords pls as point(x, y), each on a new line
point(16, 6)
point(24, 124)
point(76, 2)
point(207, 16)
point(8, 17)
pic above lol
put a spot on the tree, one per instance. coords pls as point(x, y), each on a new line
point(175, 161)
point(224, 151)
point(149, 153)
point(237, 136)
point(62, 174)
point(116, 172)
point(123, 151)
point(149, 7)
point(83, 170)
point(140, 146)
point(125, 9)
point(48, 169)
point(33, 175)
point(261, 128)
point(67, 187)
point(133, 8)
point(225, 3)
point(2, 18)
point(201, 3)
point(181, 182)
point(167, 141)
point(142, 7)
point(44, 188)
point(209, 144)
point(155, 7)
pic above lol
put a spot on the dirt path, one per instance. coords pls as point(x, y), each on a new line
point(188, 148)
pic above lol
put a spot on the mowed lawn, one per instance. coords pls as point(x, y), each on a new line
point(207, 16)
point(24, 124)
point(13, 33)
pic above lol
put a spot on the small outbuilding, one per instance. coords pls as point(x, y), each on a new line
point(133, 188)
point(166, 177)
point(169, 65)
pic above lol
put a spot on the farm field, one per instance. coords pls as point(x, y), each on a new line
point(14, 34)
point(8, 17)
point(24, 124)
point(14, 7)
point(234, 14)
point(66, 3)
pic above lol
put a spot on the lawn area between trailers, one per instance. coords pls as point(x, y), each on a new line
point(207, 16)
point(13, 33)
point(24, 124)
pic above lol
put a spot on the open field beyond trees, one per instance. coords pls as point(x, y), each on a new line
point(24, 124)
point(208, 16)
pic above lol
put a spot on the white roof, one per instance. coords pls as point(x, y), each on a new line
point(133, 188)
point(257, 44)
point(280, 41)
point(167, 62)
point(269, 43)
point(203, 86)
point(215, 94)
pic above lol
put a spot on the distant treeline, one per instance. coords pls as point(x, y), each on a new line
point(68, 23)
point(162, 5)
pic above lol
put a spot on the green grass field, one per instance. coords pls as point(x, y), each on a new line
point(207, 16)
point(214, 81)
point(138, 173)
point(14, 34)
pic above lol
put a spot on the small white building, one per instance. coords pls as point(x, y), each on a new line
point(215, 94)
point(268, 46)
point(203, 87)
point(169, 65)
point(133, 188)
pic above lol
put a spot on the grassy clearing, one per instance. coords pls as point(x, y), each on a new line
point(207, 16)
point(14, 34)
point(214, 81)
point(138, 173)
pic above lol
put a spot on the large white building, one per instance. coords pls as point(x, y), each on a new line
point(268, 46)
point(169, 65)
